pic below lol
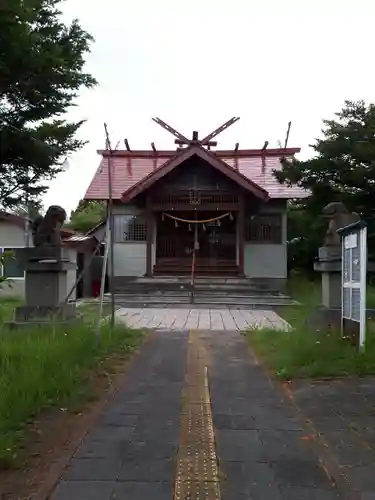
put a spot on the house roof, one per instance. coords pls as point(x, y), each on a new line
point(15, 219)
point(134, 171)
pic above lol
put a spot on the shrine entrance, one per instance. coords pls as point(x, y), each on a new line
point(213, 235)
point(196, 204)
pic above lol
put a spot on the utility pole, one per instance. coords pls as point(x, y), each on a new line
point(110, 224)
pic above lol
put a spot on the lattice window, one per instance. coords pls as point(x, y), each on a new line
point(129, 228)
point(264, 229)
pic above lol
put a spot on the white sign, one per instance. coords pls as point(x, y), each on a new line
point(351, 241)
point(354, 270)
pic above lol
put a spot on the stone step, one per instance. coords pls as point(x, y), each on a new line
point(201, 292)
point(163, 305)
point(176, 285)
point(152, 288)
point(135, 300)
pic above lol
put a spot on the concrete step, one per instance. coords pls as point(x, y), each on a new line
point(204, 300)
point(205, 296)
point(177, 288)
point(152, 288)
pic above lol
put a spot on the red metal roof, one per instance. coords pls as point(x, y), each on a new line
point(209, 157)
point(130, 168)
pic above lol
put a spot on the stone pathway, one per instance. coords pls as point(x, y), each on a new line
point(342, 413)
point(200, 319)
point(196, 418)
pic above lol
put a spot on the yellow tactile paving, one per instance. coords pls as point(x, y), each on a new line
point(197, 475)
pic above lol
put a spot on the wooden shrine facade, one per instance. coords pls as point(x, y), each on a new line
point(224, 209)
point(196, 210)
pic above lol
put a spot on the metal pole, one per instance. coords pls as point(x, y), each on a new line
point(363, 285)
point(102, 282)
point(85, 268)
point(27, 218)
point(26, 231)
point(110, 225)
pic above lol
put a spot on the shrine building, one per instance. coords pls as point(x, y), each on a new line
point(221, 212)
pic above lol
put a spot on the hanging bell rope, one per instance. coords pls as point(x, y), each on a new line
point(205, 221)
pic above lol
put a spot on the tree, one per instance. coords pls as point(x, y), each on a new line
point(32, 209)
point(305, 235)
point(87, 215)
point(342, 169)
point(41, 73)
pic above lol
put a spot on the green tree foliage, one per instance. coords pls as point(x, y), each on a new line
point(342, 169)
point(305, 234)
point(32, 209)
point(87, 215)
point(4, 280)
point(41, 73)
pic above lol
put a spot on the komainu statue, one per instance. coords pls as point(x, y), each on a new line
point(339, 216)
point(46, 230)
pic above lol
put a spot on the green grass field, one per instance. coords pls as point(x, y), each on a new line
point(47, 367)
point(304, 352)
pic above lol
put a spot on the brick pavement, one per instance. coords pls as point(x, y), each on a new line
point(200, 319)
point(133, 453)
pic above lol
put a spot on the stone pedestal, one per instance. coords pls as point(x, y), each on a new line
point(45, 286)
point(330, 266)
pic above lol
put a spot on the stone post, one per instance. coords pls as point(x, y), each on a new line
point(330, 265)
point(45, 286)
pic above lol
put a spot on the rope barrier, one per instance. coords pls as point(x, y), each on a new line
point(214, 219)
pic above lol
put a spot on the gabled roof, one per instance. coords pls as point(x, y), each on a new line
point(130, 168)
point(181, 157)
point(17, 220)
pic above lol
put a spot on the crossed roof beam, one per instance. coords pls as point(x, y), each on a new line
point(206, 141)
point(181, 140)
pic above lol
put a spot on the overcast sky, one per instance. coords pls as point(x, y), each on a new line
point(196, 64)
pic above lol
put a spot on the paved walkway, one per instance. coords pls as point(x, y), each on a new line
point(200, 319)
point(342, 413)
point(196, 419)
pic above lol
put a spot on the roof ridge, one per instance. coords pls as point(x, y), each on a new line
point(218, 152)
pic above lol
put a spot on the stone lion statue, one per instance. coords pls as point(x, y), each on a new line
point(46, 230)
point(339, 216)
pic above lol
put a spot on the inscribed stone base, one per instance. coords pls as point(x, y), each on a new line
point(351, 330)
point(36, 314)
point(45, 288)
point(324, 319)
point(16, 325)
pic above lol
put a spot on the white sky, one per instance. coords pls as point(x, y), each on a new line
point(196, 64)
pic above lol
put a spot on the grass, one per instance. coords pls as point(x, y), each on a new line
point(48, 367)
point(304, 352)
point(370, 296)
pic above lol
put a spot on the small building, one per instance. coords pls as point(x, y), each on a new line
point(12, 238)
point(220, 211)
